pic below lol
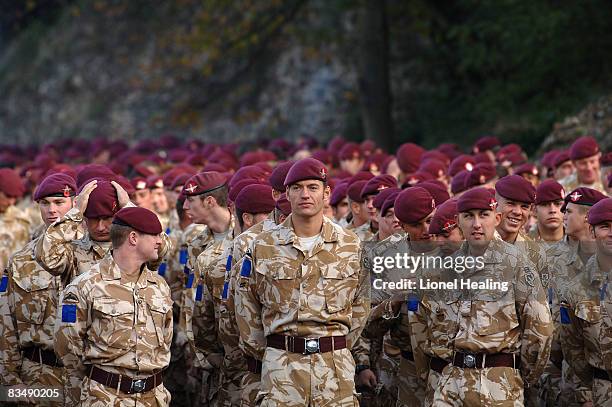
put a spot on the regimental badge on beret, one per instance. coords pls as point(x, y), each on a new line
point(492, 204)
point(114, 206)
point(191, 188)
point(575, 196)
point(449, 225)
point(159, 183)
point(67, 191)
point(373, 167)
point(381, 187)
point(482, 179)
point(506, 163)
point(469, 166)
point(323, 173)
point(412, 181)
point(562, 193)
point(141, 185)
point(534, 171)
point(440, 173)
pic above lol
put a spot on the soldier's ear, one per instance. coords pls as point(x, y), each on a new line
point(498, 218)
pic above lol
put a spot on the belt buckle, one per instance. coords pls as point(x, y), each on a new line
point(311, 346)
point(469, 361)
point(138, 385)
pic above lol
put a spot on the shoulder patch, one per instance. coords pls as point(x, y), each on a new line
point(245, 270)
point(199, 292)
point(3, 284)
point(183, 256)
point(565, 318)
point(189, 282)
point(69, 313)
point(413, 305)
point(228, 263)
point(162, 269)
point(225, 290)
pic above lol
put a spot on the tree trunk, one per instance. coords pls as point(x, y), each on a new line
point(373, 73)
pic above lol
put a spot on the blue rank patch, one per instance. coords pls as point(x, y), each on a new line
point(189, 282)
point(199, 290)
point(69, 312)
point(245, 270)
point(228, 264)
point(565, 318)
point(225, 290)
point(162, 269)
point(186, 270)
point(3, 284)
point(183, 256)
point(167, 231)
point(413, 305)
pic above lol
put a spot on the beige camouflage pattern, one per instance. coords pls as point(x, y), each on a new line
point(14, 233)
point(517, 321)
point(587, 338)
point(363, 232)
point(310, 294)
point(570, 183)
point(31, 211)
point(29, 319)
point(121, 326)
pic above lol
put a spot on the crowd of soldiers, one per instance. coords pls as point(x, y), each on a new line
point(191, 274)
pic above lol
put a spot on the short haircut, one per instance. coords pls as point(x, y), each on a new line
point(119, 234)
point(239, 216)
point(220, 195)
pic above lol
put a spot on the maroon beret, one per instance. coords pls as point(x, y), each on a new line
point(601, 212)
point(476, 198)
point(283, 205)
point(506, 150)
point(204, 182)
point(548, 159)
point(512, 159)
point(375, 162)
point(367, 146)
point(413, 204)
point(409, 157)
point(458, 182)
point(350, 151)
point(354, 191)
point(306, 168)
point(92, 171)
point(361, 176)
point(249, 172)
point(139, 219)
point(265, 166)
point(171, 174)
point(481, 174)
point(516, 188)
point(322, 155)
point(180, 180)
point(486, 143)
point(338, 193)
point(445, 218)
point(278, 175)
point(155, 181)
point(437, 191)
point(527, 168)
point(139, 183)
point(416, 177)
point(606, 159)
point(61, 168)
point(549, 190)
point(463, 162)
point(584, 147)
point(560, 158)
point(255, 199)
point(435, 155)
point(235, 190)
point(124, 183)
point(377, 184)
point(11, 183)
point(382, 196)
point(389, 201)
point(482, 158)
point(434, 167)
point(102, 201)
point(583, 196)
point(214, 167)
point(59, 184)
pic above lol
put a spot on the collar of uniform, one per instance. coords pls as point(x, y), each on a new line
point(100, 248)
point(111, 271)
point(493, 254)
point(287, 234)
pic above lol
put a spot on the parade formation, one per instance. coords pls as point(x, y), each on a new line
point(183, 273)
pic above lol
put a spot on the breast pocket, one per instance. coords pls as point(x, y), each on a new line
point(589, 312)
point(161, 312)
point(340, 285)
point(113, 321)
point(281, 290)
point(32, 298)
point(495, 314)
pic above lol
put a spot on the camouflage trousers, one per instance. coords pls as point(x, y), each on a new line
point(549, 387)
point(321, 379)
point(573, 393)
point(388, 376)
point(232, 371)
point(41, 375)
point(411, 392)
point(94, 394)
point(251, 382)
point(493, 386)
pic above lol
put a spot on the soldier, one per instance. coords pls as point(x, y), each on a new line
point(485, 344)
point(14, 224)
point(548, 202)
point(585, 155)
point(114, 330)
point(253, 207)
point(443, 227)
point(351, 158)
point(304, 300)
point(584, 316)
point(360, 223)
point(142, 194)
point(207, 203)
point(370, 190)
point(32, 295)
point(159, 200)
point(339, 202)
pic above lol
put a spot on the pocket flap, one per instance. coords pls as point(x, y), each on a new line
point(112, 306)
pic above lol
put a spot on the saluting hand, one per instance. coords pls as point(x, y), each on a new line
point(82, 199)
point(122, 195)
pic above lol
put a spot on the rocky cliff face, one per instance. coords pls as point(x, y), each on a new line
point(131, 69)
